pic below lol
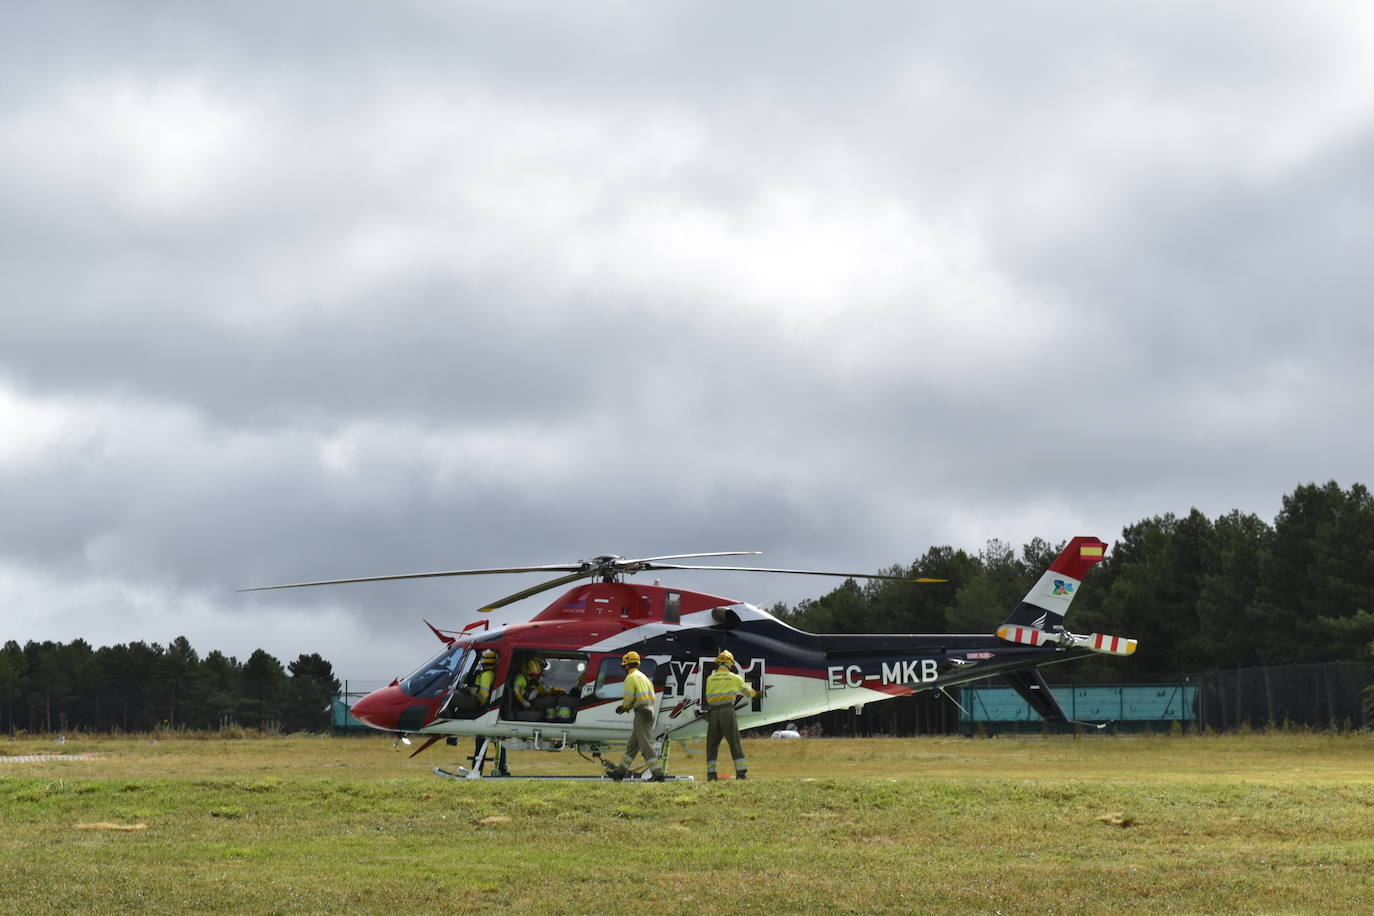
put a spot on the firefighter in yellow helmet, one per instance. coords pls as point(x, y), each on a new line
point(486, 678)
point(723, 688)
point(481, 687)
point(639, 699)
point(531, 695)
point(471, 698)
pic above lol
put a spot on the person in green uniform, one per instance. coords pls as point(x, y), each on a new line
point(472, 698)
point(531, 694)
point(481, 687)
point(639, 699)
point(723, 688)
point(480, 694)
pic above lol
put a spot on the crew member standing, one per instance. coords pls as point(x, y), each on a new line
point(639, 698)
point(723, 688)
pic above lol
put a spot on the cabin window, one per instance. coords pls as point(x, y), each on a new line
point(610, 677)
point(672, 607)
point(555, 695)
point(566, 672)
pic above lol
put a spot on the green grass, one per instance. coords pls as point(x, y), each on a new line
point(1266, 823)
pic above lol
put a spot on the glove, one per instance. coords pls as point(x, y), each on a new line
point(620, 709)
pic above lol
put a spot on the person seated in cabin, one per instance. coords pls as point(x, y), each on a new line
point(565, 707)
point(531, 694)
point(471, 698)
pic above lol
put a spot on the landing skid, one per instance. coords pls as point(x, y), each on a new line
point(479, 761)
point(465, 773)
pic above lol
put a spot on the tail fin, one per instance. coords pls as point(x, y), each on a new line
point(1047, 602)
point(1039, 618)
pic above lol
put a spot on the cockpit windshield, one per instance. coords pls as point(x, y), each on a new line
point(430, 679)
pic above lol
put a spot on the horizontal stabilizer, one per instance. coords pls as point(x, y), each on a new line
point(1100, 642)
point(1097, 642)
point(1026, 636)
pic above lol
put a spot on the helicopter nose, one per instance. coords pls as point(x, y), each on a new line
point(381, 709)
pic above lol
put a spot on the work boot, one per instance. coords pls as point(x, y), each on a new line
point(739, 774)
point(618, 773)
point(659, 776)
point(711, 777)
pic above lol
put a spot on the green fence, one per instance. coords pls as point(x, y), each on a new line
point(1136, 707)
point(341, 705)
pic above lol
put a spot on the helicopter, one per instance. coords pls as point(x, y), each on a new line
point(576, 644)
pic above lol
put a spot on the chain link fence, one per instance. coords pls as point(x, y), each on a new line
point(1336, 695)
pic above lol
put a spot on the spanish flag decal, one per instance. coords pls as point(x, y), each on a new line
point(1090, 550)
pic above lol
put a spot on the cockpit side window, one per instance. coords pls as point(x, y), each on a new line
point(473, 685)
point(431, 678)
point(466, 669)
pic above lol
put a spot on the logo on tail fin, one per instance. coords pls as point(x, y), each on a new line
point(1062, 588)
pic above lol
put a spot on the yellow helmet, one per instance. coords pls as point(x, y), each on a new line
point(726, 657)
point(489, 657)
point(534, 666)
point(629, 658)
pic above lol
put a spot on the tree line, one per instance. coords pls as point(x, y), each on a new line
point(136, 687)
point(1199, 594)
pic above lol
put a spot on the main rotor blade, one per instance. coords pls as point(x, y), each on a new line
point(689, 556)
point(560, 567)
point(536, 589)
point(800, 572)
point(586, 569)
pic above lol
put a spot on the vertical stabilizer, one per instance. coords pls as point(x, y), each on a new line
point(1045, 605)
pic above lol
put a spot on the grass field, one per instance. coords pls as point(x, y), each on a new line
point(1259, 823)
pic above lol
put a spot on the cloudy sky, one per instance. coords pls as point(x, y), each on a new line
point(343, 289)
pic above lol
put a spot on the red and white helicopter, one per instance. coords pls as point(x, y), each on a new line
point(579, 639)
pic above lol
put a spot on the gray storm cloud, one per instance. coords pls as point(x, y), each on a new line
point(351, 290)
